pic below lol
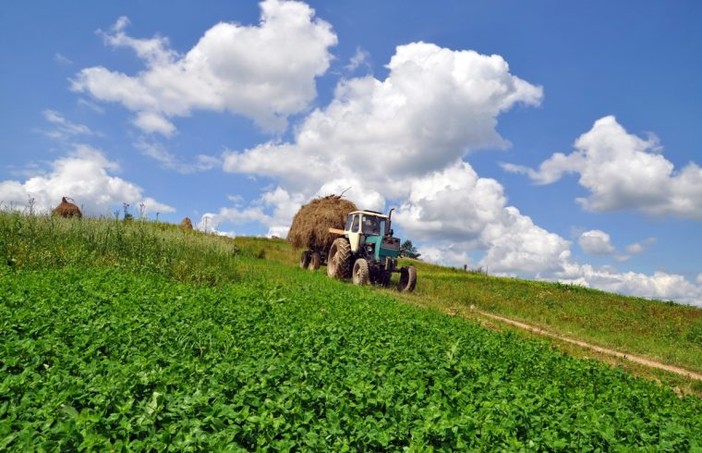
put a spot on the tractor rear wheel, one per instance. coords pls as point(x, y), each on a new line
point(315, 261)
point(304, 259)
point(360, 272)
point(339, 260)
point(408, 279)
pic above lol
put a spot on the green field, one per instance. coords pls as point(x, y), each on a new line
point(142, 336)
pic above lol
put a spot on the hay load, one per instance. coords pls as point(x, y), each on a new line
point(310, 226)
point(186, 224)
point(66, 209)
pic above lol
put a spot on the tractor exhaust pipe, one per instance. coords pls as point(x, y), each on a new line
point(388, 229)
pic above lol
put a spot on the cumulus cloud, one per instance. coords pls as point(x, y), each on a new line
point(595, 242)
point(84, 175)
point(435, 105)
point(623, 171)
point(265, 72)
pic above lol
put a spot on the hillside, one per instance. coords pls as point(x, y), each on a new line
point(145, 336)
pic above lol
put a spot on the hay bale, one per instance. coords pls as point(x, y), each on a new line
point(66, 209)
point(186, 224)
point(310, 226)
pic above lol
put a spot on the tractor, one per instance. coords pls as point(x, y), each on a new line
point(367, 252)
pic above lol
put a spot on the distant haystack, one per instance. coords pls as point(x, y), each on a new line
point(310, 226)
point(66, 209)
point(186, 224)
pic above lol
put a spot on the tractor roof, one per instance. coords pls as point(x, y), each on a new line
point(373, 213)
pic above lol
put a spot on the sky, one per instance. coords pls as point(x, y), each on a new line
point(543, 140)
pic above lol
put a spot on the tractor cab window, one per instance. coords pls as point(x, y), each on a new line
point(354, 224)
point(371, 225)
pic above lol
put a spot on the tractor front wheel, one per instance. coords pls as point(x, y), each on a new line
point(408, 279)
point(339, 260)
point(360, 272)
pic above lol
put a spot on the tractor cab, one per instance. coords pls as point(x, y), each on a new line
point(370, 234)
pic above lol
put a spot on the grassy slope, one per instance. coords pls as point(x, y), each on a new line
point(662, 331)
point(668, 332)
point(138, 340)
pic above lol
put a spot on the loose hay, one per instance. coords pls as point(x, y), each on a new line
point(186, 223)
point(67, 209)
point(310, 226)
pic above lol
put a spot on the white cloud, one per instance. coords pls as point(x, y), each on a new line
point(274, 209)
point(660, 285)
point(435, 105)
point(64, 129)
point(622, 171)
point(639, 247)
point(455, 254)
point(360, 59)
point(455, 208)
point(153, 122)
point(596, 242)
point(83, 175)
point(265, 72)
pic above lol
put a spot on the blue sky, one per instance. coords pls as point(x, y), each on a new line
point(545, 140)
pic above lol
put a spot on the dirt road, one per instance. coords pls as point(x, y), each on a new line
point(613, 353)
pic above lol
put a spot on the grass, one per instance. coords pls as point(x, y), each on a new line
point(35, 242)
point(659, 330)
point(123, 336)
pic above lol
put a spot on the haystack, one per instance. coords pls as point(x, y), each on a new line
point(186, 224)
point(67, 209)
point(310, 226)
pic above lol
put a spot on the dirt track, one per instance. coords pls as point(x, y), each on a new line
point(610, 352)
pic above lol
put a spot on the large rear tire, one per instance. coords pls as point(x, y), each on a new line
point(339, 260)
point(304, 259)
point(408, 279)
point(315, 261)
point(360, 273)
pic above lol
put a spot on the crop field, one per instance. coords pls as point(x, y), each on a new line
point(255, 354)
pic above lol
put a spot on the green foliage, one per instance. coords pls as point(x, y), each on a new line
point(112, 360)
point(694, 333)
point(123, 336)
